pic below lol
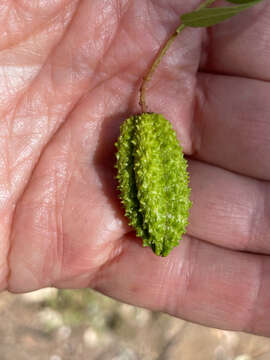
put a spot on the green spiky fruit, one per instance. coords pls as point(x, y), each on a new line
point(153, 181)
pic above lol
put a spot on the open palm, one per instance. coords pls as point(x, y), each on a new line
point(69, 75)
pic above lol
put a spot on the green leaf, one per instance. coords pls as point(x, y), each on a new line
point(212, 16)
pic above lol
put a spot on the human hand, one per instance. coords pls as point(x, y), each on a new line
point(70, 73)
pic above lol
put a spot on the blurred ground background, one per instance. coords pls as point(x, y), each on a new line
point(82, 324)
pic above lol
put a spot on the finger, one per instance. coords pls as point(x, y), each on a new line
point(197, 281)
point(228, 209)
point(232, 127)
point(240, 46)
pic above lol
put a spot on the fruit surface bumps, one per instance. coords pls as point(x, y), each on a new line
point(153, 181)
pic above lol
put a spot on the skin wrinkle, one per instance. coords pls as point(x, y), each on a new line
point(8, 153)
point(256, 224)
point(119, 74)
point(58, 215)
point(201, 101)
point(250, 323)
point(30, 79)
point(36, 79)
point(183, 274)
point(100, 62)
point(50, 53)
point(163, 300)
point(105, 47)
point(59, 206)
point(189, 266)
point(197, 127)
point(60, 233)
point(149, 9)
point(13, 214)
point(53, 234)
point(254, 296)
point(19, 102)
point(50, 248)
point(39, 28)
point(116, 253)
point(140, 45)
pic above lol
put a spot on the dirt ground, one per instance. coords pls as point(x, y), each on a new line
point(63, 324)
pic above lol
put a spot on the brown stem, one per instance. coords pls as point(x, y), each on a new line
point(160, 55)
